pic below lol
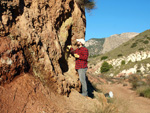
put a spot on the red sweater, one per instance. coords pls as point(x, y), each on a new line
point(81, 62)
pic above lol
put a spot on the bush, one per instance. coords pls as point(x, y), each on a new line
point(135, 80)
point(141, 49)
point(123, 62)
point(138, 71)
point(93, 56)
point(148, 80)
point(105, 67)
point(144, 91)
point(146, 42)
point(104, 57)
point(87, 4)
point(119, 55)
point(148, 38)
point(142, 88)
point(133, 45)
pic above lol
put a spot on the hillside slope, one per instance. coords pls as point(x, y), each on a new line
point(95, 46)
point(101, 46)
point(116, 40)
point(131, 57)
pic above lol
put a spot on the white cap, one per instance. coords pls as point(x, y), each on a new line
point(81, 40)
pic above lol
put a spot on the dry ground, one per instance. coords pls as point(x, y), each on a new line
point(126, 99)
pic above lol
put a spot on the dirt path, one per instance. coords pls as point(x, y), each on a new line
point(126, 99)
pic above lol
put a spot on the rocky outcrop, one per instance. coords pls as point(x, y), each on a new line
point(134, 63)
point(134, 57)
point(28, 95)
point(34, 35)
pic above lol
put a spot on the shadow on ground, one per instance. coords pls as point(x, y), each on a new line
point(90, 88)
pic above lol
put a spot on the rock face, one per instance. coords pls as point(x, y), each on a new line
point(28, 95)
point(33, 38)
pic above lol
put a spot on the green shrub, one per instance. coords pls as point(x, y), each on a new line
point(93, 56)
point(129, 61)
point(148, 38)
point(123, 62)
point(148, 80)
point(104, 57)
point(146, 42)
point(144, 91)
point(141, 49)
point(139, 40)
point(105, 67)
point(120, 55)
point(133, 45)
point(135, 80)
point(138, 71)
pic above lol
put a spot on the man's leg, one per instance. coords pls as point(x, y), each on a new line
point(82, 77)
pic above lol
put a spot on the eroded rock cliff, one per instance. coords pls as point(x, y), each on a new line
point(34, 66)
point(33, 38)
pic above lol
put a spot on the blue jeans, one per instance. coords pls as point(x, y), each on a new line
point(82, 77)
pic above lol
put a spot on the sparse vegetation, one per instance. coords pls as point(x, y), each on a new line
point(146, 42)
point(110, 108)
point(105, 67)
point(138, 84)
point(144, 91)
point(87, 4)
point(135, 80)
point(123, 62)
point(148, 38)
point(141, 49)
point(120, 55)
point(93, 56)
point(134, 45)
point(148, 80)
point(104, 57)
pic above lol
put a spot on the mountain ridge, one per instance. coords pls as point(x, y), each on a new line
point(99, 46)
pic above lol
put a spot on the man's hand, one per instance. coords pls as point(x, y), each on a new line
point(68, 48)
point(76, 55)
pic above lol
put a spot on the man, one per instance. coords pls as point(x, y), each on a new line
point(81, 55)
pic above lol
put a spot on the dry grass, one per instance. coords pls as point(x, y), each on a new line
point(142, 88)
point(110, 108)
point(144, 91)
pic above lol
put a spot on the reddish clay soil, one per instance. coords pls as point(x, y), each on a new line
point(26, 94)
point(126, 99)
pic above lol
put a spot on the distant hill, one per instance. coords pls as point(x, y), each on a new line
point(140, 42)
point(131, 57)
point(103, 45)
point(95, 46)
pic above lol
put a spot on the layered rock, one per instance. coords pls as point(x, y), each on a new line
point(34, 35)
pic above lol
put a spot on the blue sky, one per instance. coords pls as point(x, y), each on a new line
point(116, 17)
